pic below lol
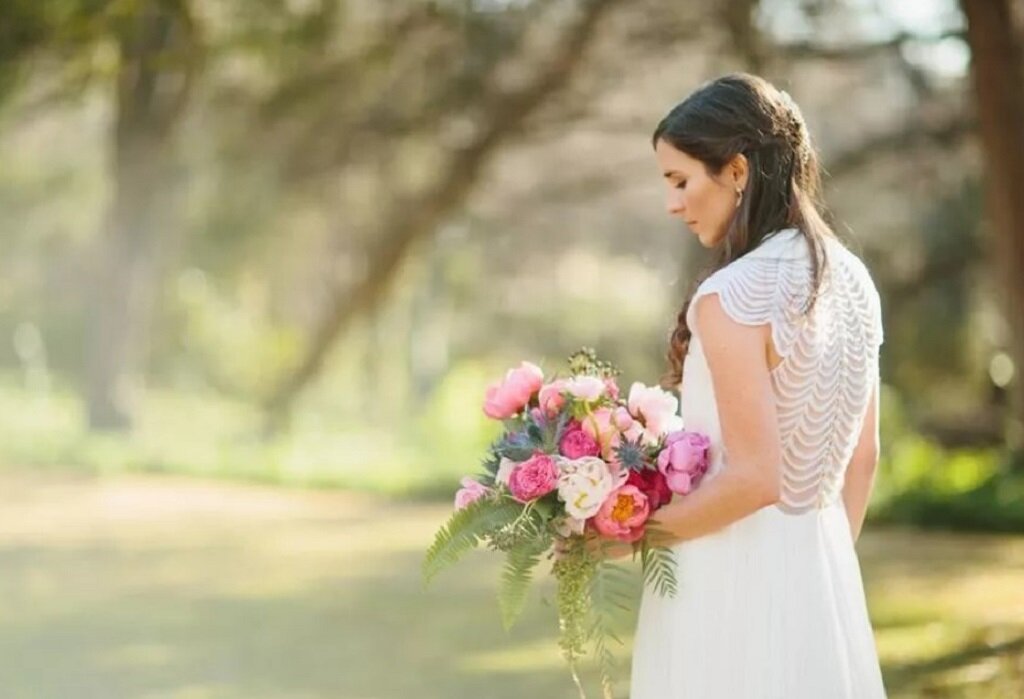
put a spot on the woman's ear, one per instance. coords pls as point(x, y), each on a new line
point(739, 170)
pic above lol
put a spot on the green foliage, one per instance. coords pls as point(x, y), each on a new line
point(610, 590)
point(921, 482)
point(515, 581)
point(659, 568)
point(518, 446)
point(465, 529)
point(585, 361)
point(573, 573)
point(591, 592)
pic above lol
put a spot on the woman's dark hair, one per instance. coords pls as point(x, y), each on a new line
point(743, 113)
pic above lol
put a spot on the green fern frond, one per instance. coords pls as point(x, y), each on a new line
point(609, 590)
point(465, 529)
point(659, 569)
point(515, 581)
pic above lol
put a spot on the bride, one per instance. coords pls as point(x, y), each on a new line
point(776, 356)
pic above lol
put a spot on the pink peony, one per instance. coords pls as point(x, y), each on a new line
point(471, 491)
point(684, 460)
point(623, 514)
point(550, 397)
point(533, 478)
point(576, 443)
point(656, 408)
point(506, 398)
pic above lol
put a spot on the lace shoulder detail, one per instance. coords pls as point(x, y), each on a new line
point(771, 284)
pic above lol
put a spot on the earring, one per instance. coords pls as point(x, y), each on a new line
point(739, 197)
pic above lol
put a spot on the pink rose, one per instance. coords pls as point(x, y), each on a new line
point(576, 443)
point(506, 398)
point(623, 514)
point(684, 460)
point(471, 491)
point(550, 397)
point(533, 478)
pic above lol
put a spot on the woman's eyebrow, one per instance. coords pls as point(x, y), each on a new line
point(673, 173)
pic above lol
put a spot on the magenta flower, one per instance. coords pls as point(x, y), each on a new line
point(684, 460)
point(576, 443)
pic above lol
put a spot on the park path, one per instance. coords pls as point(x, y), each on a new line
point(165, 587)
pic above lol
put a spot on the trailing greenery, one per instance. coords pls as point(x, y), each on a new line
point(573, 573)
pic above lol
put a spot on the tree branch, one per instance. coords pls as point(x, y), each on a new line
point(813, 50)
point(416, 216)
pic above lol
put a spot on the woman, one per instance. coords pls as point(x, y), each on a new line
point(777, 355)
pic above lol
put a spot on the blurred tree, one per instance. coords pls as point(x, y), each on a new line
point(508, 89)
point(158, 54)
point(157, 50)
point(998, 73)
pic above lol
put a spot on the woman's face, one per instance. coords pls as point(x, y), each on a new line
point(704, 203)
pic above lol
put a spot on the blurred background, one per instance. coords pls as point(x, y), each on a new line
point(260, 258)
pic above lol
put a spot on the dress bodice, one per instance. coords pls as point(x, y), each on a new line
point(829, 357)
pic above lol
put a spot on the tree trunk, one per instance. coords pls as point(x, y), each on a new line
point(998, 75)
point(153, 84)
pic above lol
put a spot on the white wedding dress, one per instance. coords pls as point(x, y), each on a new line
point(772, 606)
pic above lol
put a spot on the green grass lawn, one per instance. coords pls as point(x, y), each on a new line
point(149, 586)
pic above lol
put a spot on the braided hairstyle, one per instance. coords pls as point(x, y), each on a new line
point(743, 113)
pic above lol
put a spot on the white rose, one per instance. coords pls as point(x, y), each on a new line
point(583, 485)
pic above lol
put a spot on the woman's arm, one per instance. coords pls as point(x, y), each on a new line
point(737, 357)
point(860, 472)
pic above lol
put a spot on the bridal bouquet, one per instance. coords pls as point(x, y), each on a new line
point(577, 471)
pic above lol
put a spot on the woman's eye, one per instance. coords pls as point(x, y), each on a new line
point(681, 185)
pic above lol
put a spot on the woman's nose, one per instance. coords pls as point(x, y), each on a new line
point(674, 203)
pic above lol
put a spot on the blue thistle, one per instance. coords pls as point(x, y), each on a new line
point(633, 455)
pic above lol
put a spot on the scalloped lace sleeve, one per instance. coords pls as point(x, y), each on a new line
point(761, 290)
